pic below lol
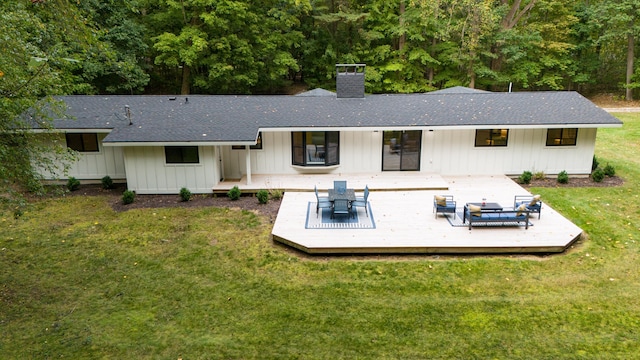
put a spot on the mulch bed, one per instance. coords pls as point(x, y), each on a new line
point(245, 202)
point(608, 181)
point(270, 209)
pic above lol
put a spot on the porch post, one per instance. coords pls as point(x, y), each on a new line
point(248, 162)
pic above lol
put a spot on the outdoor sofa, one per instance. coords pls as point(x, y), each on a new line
point(475, 215)
point(532, 202)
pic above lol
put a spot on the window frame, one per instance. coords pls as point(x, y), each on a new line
point(183, 155)
point(500, 134)
point(299, 148)
point(559, 141)
point(83, 140)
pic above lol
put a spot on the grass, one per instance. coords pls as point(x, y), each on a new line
point(80, 281)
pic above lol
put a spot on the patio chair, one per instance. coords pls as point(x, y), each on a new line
point(444, 204)
point(340, 186)
point(362, 201)
point(341, 207)
point(531, 202)
point(322, 202)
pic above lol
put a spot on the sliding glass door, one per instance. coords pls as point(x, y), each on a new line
point(401, 150)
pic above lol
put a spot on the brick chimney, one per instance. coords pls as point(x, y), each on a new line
point(350, 80)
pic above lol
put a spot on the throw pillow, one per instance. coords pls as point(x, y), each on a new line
point(521, 208)
point(441, 200)
point(475, 210)
point(535, 200)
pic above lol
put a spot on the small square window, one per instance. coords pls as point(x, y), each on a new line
point(562, 137)
point(491, 137)
point(83, 142)
point(181, 155)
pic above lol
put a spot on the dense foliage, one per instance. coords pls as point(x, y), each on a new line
point(265, 46)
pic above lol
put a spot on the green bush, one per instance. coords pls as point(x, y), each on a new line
point(128, 196)
point(525, 178)
point(540, 175)
point(73, 184)
point(107, 182)
point(276, 194)
point(598, 175)
point(594, 163)
point(563, 177)
point(234, 193)
point(185, 194)
point(263, 196)
point(609, 170)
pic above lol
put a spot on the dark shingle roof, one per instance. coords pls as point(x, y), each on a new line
point(230, 118)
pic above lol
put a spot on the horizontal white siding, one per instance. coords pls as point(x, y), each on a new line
point(148, 173)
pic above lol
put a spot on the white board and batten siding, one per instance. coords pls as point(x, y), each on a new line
point(107, 160)
point(148, 172)
point(445, 152)
point(452, 152)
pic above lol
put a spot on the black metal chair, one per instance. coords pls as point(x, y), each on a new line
point(362, 201)
point(341, 207)
point(322, 202)
point(340, 186)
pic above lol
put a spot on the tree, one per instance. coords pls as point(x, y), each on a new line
point(229, 46)
point(39, 41)
point(620, 20)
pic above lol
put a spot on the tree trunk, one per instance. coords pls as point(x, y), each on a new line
point(186, 74)
point(630, 52)
point(403, 37)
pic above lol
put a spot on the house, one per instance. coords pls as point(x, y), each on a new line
point(159, 144)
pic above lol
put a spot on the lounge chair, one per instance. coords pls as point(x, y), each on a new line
point(444, 204)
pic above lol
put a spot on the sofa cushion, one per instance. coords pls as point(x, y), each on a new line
point(535, 200)
point(475, 210)
point(441, 200)
point(521, 208)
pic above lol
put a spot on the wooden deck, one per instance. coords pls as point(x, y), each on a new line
point(402, 205)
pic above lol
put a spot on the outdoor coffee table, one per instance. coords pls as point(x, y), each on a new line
point(491, 206)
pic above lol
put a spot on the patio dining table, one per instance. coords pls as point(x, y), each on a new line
point(349, 194)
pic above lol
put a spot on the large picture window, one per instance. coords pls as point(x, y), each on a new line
point(181, 154)
point(562, 137)
point(83, 142)
point(315, 148)
point(492, 137)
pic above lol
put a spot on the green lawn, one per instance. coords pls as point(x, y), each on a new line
point(78, 280)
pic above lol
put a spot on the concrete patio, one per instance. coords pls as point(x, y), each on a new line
point(402, 206)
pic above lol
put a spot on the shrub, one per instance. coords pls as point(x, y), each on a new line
point(540, 175)
point(276, 194)
point(609, 170)
point(263, 196)
point(107, 182)
point(185, 194)
point(73, 184)
point(594, 163)
point(563, 177)
point(128, 196)
point(234, 193)
point(597, 175)
point(525, 178)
